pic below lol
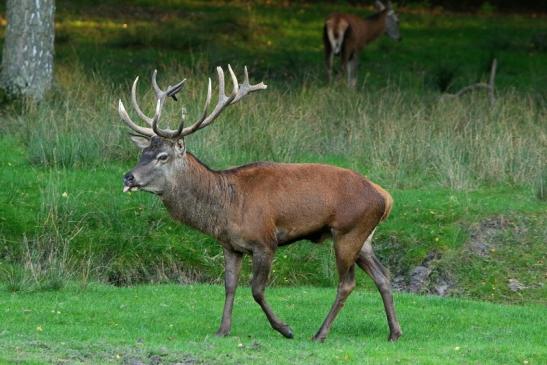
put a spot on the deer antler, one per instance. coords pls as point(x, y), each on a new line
point(161, 95)
point(238, 92)
point(379, 5)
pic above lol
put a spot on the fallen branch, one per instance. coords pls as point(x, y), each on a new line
point(481, 85)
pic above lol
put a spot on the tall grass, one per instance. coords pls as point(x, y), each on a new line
point(404, 139)
point(401, 138)
point(43, 261)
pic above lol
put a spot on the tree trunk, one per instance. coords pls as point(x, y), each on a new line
point(27, 62)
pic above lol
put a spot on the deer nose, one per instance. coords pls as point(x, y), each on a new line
point(129, 179)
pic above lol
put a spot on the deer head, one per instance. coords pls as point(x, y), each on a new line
point(163, 150)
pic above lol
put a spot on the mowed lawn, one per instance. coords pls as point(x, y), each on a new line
point(175, 324)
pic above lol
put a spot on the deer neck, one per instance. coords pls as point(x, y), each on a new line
point(200, 197)
point(375, 26)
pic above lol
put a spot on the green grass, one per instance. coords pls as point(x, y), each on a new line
point(110, 325)
point(102, 234)
point(462, 172)
point(279, 41)
point(450, 164)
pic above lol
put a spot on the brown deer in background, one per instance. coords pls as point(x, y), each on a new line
point(346, 35)
point(256, 208)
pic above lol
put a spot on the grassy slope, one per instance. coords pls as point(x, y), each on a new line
point(127, 238)
point(107, 325)
point(130, 236)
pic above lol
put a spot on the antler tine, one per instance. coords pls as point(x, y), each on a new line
point(170, 91)
point(160, 95)
point(173, 90)
point(160, 99)
point(238, 92)
point(247, 88)
point(189, 130)
point(165, 133)
point(125, 117)
point(235, 83)
point(136, 105)
point(157, 89)
point(223, 100)
point(152, 122)
point(221, 92)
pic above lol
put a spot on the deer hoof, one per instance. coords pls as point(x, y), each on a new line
point(222, 333)
point(394, 336)
point(286, 331)
point(318, 338)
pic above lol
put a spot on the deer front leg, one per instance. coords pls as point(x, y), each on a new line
point(232, 267)
point(262, 263)
point(329, 60)
point(329, 54)
point(349, 65)
point(352, 72)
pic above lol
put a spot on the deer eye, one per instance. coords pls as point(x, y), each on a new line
point(162, 156)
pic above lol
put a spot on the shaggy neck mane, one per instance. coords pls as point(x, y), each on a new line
point(200, 197)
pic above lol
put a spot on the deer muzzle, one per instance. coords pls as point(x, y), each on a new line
point(129, 183)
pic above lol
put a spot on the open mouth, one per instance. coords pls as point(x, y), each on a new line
point(130, 188)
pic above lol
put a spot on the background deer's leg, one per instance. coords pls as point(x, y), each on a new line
point(368, 261)
point(232, 267)
point(349, 63)
point(329, 60)
point(352, 71)
point(329, 55)
point(345, 248)
point(344, 59)
point(262, 263)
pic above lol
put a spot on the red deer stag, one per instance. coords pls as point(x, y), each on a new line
point(254, 209)
point(346, 35)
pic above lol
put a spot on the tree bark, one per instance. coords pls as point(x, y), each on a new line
point(27, 60)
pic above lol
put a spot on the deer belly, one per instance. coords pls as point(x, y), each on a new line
point(287, 236)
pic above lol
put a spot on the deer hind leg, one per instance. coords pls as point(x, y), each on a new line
point(262, 263)
point(329, 60)
point(349, 65)
point(329, 54)
point(232, 267)
point(352, 71)
point(346, 248)
point(368, 261)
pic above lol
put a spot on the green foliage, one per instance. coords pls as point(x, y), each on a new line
point(77, 222)
point(449, 163)
point(175, 325)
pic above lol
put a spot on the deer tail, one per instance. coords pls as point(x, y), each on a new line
point(388, 201)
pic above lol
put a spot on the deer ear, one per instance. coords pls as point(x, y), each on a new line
point(141, 141)
point(180, 148)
